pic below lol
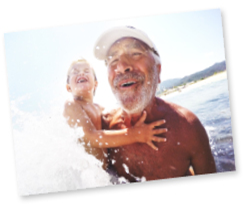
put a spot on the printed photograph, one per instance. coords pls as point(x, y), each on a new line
point(119, 102)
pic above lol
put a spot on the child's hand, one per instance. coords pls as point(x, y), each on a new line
point(146, 132)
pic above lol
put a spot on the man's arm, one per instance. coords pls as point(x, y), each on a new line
point(202, 159)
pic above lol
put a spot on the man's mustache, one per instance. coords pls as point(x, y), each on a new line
point(129, 75)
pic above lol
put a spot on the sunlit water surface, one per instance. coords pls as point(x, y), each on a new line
point(210, 102)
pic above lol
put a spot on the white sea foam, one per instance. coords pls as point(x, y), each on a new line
point(48, 157)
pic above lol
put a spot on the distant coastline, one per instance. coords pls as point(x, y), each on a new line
point(180, 88)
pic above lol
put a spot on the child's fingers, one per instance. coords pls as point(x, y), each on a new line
point(158, 123)
point(142, 118)
point(159, 139)
point(160, 130)
point(152, 145)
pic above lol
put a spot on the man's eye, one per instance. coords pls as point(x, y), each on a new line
point(113, 61)
point(134, 54)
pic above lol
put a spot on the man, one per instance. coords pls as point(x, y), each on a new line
point(134, 69)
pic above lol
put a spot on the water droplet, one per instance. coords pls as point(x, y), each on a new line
point(97, 47)
point(100, 137)
point(178, 143)
point(100, 143)
point(77, 120)
point(172, 167)
point(69, 103)
point(87, 121)
point(113, 161)
point(126, 168)
point(106, 143)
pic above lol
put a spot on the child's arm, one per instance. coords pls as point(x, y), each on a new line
point(141, 132)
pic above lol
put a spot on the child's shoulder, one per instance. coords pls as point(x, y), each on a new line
point(71, 106)
point(99, 107)
point(70, 102)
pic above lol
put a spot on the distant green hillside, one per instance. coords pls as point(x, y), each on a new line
point(168, 84)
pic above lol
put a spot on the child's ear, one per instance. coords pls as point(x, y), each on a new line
point(68, 88)
point(95, 86)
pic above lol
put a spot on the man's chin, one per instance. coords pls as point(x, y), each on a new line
point(132, 105)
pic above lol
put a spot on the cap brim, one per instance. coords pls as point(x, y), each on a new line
point(108, 38)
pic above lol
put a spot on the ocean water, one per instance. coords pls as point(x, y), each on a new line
point(210, 103)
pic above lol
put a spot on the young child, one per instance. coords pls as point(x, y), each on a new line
point(82, 112)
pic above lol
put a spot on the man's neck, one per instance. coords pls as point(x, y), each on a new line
point(131, 119)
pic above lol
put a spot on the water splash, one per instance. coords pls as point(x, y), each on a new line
point(49, 157)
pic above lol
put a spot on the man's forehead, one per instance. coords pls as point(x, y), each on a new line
point(126, 43)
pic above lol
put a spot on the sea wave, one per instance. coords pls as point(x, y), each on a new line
point(48, 156)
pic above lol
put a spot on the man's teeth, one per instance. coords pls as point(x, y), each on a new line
point(127, 84)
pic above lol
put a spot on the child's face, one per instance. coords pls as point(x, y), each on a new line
point(81, 80)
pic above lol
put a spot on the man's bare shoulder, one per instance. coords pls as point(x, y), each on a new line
point(170, 109)
point(186, 122)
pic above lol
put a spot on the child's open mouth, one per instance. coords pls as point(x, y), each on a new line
point(81, 80)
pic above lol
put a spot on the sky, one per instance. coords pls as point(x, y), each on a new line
point(37, 60)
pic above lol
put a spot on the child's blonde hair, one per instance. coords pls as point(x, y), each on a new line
point(79, 61)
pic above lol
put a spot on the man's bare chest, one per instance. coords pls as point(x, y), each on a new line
point(139, 160)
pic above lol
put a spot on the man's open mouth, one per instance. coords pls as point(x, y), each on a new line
point(127, 84)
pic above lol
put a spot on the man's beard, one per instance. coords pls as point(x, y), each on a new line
point(136, 100)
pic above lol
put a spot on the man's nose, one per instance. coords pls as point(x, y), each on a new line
point(124, 64)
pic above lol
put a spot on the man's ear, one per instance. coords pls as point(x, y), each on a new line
point(158, 66)
point(68, 88)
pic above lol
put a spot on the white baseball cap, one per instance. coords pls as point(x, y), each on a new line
point(110, 36)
